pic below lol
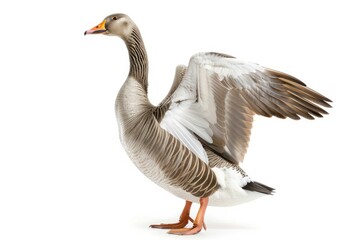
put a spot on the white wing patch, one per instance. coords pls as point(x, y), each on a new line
point(182, 123)
point(193, 109)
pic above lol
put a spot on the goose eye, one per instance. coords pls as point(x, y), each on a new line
point(114, 18)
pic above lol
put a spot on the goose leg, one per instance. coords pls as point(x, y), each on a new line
point(183, 221)
point(198, 223)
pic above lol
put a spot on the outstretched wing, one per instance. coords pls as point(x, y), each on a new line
point(215, 102)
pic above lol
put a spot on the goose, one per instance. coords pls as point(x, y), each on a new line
point(193, 142)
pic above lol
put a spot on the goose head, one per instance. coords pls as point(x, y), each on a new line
point(114, 25)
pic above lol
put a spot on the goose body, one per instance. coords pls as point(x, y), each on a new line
point(193, 142)
point(141, 135)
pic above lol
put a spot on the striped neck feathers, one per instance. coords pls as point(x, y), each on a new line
point(138, 58)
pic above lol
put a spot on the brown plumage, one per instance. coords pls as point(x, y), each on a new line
point(191, 144)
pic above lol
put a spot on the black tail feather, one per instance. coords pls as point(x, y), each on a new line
point(259, 187)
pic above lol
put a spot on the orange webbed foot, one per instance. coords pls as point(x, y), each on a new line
point(198, 223)
point(181, 224)
point(187, 231)
point(183, 221)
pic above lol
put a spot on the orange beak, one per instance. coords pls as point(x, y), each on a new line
point(100, 28)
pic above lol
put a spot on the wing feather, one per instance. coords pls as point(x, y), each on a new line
point(216, 99)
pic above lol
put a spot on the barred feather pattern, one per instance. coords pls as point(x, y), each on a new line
point(231, 93)
point(217, 161)
point(155, 152)
point(138, 57)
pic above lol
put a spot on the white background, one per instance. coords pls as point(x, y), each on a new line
point(63, 173)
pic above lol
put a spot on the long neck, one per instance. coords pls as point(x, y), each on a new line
point(138, 58)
